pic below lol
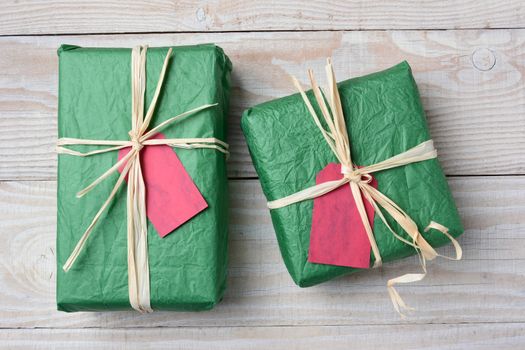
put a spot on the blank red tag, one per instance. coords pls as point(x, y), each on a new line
point(172, 198)
point(338, 236)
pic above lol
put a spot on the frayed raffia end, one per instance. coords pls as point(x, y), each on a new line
point(399, 304)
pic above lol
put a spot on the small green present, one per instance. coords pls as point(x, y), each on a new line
point(187, 267)
point(380, 116)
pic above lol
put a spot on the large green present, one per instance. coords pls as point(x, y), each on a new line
point(384, 117)
point(187, 267)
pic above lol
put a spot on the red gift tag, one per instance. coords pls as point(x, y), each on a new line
point(338, 236)
point(171, 195)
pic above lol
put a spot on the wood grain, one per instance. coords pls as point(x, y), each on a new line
point(471, 84)
point(113, 16)
point(487, 286)
point(488, 336)
point(471, 78)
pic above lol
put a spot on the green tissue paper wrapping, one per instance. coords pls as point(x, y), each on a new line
point(188, 267)
point(384, 117)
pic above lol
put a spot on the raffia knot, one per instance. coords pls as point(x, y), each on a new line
point(355, 175)
point(136, 145)
point(135, 141)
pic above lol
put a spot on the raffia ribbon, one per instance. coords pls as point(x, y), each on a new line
point(138, 268)
point(359, 178)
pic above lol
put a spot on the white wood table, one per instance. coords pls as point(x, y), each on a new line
point(468, 58)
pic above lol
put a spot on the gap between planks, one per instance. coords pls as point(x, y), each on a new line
point(177, 326)
point(72, 34)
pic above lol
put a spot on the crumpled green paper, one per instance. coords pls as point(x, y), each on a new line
point(384, 117)
point(187, 267)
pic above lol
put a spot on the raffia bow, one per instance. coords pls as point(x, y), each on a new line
point(138, 268)
point(359, 178)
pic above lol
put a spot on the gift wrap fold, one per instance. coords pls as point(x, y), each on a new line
point(384, 118)
point(187, 267)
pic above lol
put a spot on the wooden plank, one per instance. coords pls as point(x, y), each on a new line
point(487, 286)
point(81, 16)
point(471, 83)
point(440, 336)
